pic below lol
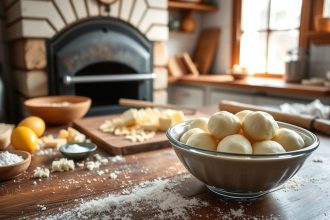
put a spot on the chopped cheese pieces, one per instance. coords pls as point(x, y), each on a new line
point(75, 136)
point(41, 172)
point(62, 165)
point(141, 125)
point(51, 141)
point(91, 165)
point(69, 135)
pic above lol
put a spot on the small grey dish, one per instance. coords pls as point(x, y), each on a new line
point(87, 149)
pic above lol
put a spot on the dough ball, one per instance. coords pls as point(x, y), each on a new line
point(259, 126)
point(202, 140)
point(199, 123)
point(235, 143)
point(188, 133)
point(267, 147)
point(289, 139)
point(223, 123)
point(241, 115)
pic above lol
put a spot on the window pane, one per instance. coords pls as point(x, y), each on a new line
point(254, 14)
point(285, 14)
point(280, 42)
point(253, 51)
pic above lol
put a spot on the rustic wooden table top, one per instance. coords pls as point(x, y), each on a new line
point(25, 197)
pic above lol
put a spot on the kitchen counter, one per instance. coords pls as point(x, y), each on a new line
point(276, 86)
point(307, 196)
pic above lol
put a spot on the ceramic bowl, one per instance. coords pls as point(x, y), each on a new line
point(241, 175)
point(90, 148)
point(58, 110)
point(13, 170)
point(238, 76)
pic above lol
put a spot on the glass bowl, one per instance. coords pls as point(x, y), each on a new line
point(241, 175)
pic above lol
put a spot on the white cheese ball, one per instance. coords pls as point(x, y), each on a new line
point(223, 123)
point(235, 143)
point(259, 126)
point(190, 132)
point(202, 140)
point(267, 147)
point(289, 139)
point(241, 115)
point(199, 123)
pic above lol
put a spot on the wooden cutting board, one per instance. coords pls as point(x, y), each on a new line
point(206, 49)
point(117, 145)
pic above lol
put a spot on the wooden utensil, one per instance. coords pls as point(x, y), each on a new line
point(139, 103)
point(305, 121)
point(174, 67)
point(189, 64)
point(206, 48)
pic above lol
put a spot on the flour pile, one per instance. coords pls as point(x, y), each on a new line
point(155, 199)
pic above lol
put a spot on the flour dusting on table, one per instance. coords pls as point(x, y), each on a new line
point(158, 197)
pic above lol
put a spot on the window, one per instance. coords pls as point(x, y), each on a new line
point(265, 31)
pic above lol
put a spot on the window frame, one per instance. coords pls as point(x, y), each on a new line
point(309, 9)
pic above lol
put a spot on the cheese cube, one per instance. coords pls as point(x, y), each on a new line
point(177, 117)
point(63, 134)
point(165, 123)
point(150, 126)
point(129, 117)
point(5, 133)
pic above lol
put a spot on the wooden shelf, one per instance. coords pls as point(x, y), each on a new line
point(319, 37)
point(191, 6)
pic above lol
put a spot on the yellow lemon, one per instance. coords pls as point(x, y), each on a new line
point(35, 123)
point(24, 138)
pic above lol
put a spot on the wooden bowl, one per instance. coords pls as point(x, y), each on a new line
point(58, 110)
point(238, 76)
point(13, 170)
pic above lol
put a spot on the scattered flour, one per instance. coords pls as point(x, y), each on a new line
point(42, 207)
point(237, 213)
point(117, 158)
point(157, 199)
point(7, 158)
point(296, 183)
point(113, 176)
point(100, 172)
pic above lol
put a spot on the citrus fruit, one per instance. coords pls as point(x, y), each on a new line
point(35, 123)
point(24, 138)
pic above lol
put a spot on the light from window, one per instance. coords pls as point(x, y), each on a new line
point(270, 28)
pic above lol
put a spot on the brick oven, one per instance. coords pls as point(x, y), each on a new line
point(95, 48)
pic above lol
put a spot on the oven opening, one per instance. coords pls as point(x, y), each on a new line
point(106, 65)
point(107, 93)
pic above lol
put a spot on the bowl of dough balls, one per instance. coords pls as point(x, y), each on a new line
point(242, 155)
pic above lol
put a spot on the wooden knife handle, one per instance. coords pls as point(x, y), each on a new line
point(139, 103)
point(322, 125)
point(299, 120)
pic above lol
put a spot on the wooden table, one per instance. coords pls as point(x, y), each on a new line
point(62, 191)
